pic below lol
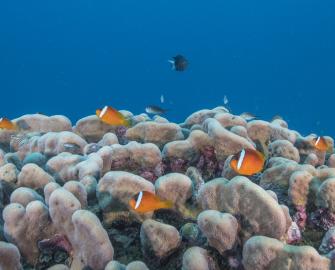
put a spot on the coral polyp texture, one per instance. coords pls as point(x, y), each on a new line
point(161, 195)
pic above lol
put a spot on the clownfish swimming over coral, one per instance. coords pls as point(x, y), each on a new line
point(247, 162)
point(112, 117)
point(320, 144)
point(5, 123)
point(145, 201)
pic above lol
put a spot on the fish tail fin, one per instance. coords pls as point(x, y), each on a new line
point(16, 126)
point(128, 123)
point(173, 66)
point(168, 204)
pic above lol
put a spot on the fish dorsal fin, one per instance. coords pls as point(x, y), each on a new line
point(172, 62)
point(241, 158)
point(139, 199)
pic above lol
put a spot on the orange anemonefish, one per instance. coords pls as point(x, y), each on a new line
point(146, 201)
point(7, 124)
point(247, 162)
point(320, 144)
point(112, 117)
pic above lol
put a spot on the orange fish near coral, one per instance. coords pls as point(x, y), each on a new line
point(320, 144)
point(7, 124)
point(247, 162)
point(146, 201)
point(112, 117)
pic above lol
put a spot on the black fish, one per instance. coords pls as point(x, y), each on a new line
point(179, 63)
point(152, 109)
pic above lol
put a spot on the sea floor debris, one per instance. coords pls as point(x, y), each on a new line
point(65, 193)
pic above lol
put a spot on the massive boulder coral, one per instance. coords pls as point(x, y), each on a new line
point(262, 131)
point(99, 168)
point(153, 132)
point(260, 213)
point(159, 239)
point(197, 258)
point(43, 123)
point(78, 190)
point(175, 187)
point(34, 177)
point(220, 229)
point(285, 149)
point(24, 196)
point(225, 142)
point(299, 187)
point(279, 171)
point(230, 120)
point(9, 257)
point(137, 265)
point(25, 226)
point(92, 129)
point(65, 166)
point(142, 159)
point(115, 265)
point(2, 158)
point(35, 158)
point(52, 144)
point(93, 246)
point(198, 117)
point(90, 243)
point(186, 151)
point(263, 253)
point(9, 173)
point(325, 196)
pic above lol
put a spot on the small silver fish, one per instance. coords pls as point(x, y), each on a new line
point(162, 98)
point(247, 116)
point(152, 109)
point(225, 100)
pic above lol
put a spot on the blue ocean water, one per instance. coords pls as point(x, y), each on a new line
point(267, 57)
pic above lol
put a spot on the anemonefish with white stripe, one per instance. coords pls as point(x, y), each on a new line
point(112, 117)
point(146, 201)
point(247, 162)
point(320, 144)
point(5, 123)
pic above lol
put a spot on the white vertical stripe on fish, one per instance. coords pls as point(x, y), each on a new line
point(104, 110)
point(139, 199)
point(240, 160)
point(317, 141)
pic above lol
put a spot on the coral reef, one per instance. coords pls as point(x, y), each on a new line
point(65, 195)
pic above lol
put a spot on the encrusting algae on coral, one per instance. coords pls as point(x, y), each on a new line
point(124, 191)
